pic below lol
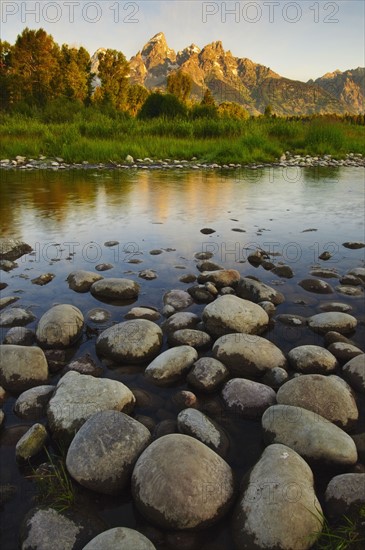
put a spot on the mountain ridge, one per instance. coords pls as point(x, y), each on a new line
point(243, 81)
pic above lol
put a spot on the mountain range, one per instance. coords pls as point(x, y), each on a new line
point(242, 81)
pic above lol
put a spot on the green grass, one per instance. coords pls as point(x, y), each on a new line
point(97, 136)
point(54, 486)
point(347, 534)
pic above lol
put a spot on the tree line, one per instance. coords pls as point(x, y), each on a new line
point(36, 72)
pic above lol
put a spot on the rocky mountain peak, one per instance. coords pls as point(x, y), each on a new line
point(156, 51)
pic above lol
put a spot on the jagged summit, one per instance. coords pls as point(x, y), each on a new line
point(243, 81)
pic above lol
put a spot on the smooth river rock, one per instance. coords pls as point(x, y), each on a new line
point(207, 374)
point(344, 495)
point(20, 336)
point(189, 337)
point(220, 277)
point(115, 289)
point(309, 434)
point(133, 342)
point(32, 404)
point(354, 372)
point(317, 286)
point(328, 396)
point(247, 399)
point(16, 316)
point(196, 424)
point(120, 538)
point(230, 314)
point(44, 528)
point(79, 396)
point(178, 299)
point(81, 281)
point(247, 355)
point(171, 365)
point(60, 327)
point(179, 483)
point(278, 507)
point(31, 443)
point(104, 450)
point(180, 320)
point(256, 291)
point(312, 360)
point(12, 249)
point(332, 320)
point(22, 367)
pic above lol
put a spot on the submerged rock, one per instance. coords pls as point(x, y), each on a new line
point(115, 289)
point(256, 291)
point(12, 249)
point(81, 281)
point(16, 316)
point(178, 299)
point(20, 336)
point(179, 483)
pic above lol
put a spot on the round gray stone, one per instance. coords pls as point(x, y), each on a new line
point(312, 360)
point(309, 434)
point(60, 327)
point(189, 337)
point(247, 399)
point(328, 396)
point(196, 424)
point(170, 366)
point(143, 313)
point(332, 320)
point(354, 372)
point(22, 367)
point(32, 403)
point(207, 374)
point(178, 299)
point(248, 355)
point(20, 336)
point(135, 341)
point(16, 316)
point(317, 286)
point(278, 507)
point(249, 289)
point(229, 314)
point(104, 450)
point(81, 281)
point(180, 320)
point(120, 538)
point(79, 396)
point(344, 495)
point(179, 483)
point(115, 289)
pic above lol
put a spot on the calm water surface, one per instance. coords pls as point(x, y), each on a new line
point(67, 218)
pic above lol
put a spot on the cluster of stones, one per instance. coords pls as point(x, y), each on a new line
point(287, 159)
point(178, 470)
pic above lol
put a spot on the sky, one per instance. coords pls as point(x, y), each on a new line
point(300, 39)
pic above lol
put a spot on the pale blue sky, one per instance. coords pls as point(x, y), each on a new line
point(299, 40)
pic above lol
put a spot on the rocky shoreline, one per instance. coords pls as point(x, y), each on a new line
point(286, 160)
point(178, 461)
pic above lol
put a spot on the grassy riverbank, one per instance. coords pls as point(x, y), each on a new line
point(94, 136)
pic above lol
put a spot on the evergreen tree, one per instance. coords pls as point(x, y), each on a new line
point(75, 74)
point(208, 99)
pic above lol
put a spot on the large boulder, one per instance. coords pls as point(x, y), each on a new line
point(229, 314)
point(309, 434)
point(329, 396)
point(120, 538)
point(103, 452)
point(79, 396)
point(60, 327)
point(22, 367)
point(247, 355)
point(115, 289)
point(249, 289)
point(179, 483)
point(278, 507)
point(133, 342)
point(171, 365)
